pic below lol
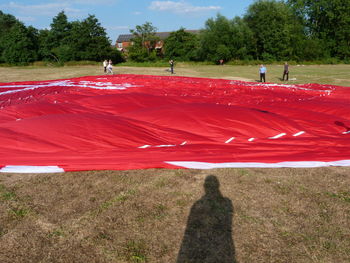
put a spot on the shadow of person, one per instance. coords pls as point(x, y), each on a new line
point(208, 235)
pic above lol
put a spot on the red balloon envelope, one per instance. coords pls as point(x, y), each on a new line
point(120, 122)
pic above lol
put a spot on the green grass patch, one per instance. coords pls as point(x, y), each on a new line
point(343, 196)
point(6, 195)
point(18, 212)
point(56, 233)
point(135, 251)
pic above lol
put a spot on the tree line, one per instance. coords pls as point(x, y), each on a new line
point(270, 30)
point(64, 41)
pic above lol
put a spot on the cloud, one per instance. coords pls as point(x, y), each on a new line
point(47, 9)
point(91, 2)
point(136, 13)
point(181, 7)
point(26, 18)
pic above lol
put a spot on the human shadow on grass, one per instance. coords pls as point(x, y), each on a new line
point(208, 235)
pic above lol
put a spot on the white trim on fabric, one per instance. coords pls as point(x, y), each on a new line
point(299, 133)
point(30, 169)
point(229, 140)
point(300, 164)
point(144, 146)
point(278, 136)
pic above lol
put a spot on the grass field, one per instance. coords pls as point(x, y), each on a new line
point(323, 74)
point(159, 215)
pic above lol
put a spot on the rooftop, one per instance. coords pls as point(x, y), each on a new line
point(161, 35)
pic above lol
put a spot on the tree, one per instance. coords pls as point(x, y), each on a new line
point(327, 22)
point(53, 41)
point(19, 45)
point(226, 39)
point(6, 23)
point(77, 40)
point(88, 40)
point(60, 28)
point(217, 32)
point(181, 45)
point(275, 27)
point(244, 44)
point(144, 41)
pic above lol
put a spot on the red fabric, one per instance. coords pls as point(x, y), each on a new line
point(99, 122)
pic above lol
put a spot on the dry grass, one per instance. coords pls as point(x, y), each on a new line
point(279, 215)
point(324, 74)
point(159, 215)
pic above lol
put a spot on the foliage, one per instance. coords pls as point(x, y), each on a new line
point(275, 29)
point(326, 22)
point(143, 43)
point(270, 30)
point(19, 45)
point(65, 41)
point(226, 39)
point(88, 40)
point(6, 23)
point(181, 45)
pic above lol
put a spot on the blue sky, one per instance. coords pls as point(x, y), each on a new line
point(119, 16)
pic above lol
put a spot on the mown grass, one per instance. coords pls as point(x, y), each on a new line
point(323, 74)
point(156, 215)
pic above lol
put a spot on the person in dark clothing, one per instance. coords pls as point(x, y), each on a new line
point(171, 62)
point(286, 71)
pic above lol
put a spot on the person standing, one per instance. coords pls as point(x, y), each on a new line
point(105, 63)
point(285, 71)
point(110, 67)
point(171, 62)
point(262, 71)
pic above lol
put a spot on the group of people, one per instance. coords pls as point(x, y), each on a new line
point(263, 70)
point(107, 66)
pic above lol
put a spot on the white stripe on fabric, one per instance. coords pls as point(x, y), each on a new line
point(229, 140)
point(278, 136)
point(30, 169)
point(299, 133)
point(300, 164)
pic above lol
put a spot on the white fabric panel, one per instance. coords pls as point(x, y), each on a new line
point(30, 169)
point(301, 164)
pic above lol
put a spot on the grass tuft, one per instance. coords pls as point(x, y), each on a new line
point(18, 212)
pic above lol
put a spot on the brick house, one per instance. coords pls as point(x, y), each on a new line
point(124, 41)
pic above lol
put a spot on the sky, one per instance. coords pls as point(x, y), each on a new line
point(119, 16)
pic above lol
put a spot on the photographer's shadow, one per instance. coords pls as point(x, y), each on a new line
point(208, 235)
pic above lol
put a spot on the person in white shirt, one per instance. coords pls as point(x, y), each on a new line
point(105, 63)
point(262, 72)
point(110, 67)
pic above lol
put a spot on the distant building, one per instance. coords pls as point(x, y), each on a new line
point(125, 40)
